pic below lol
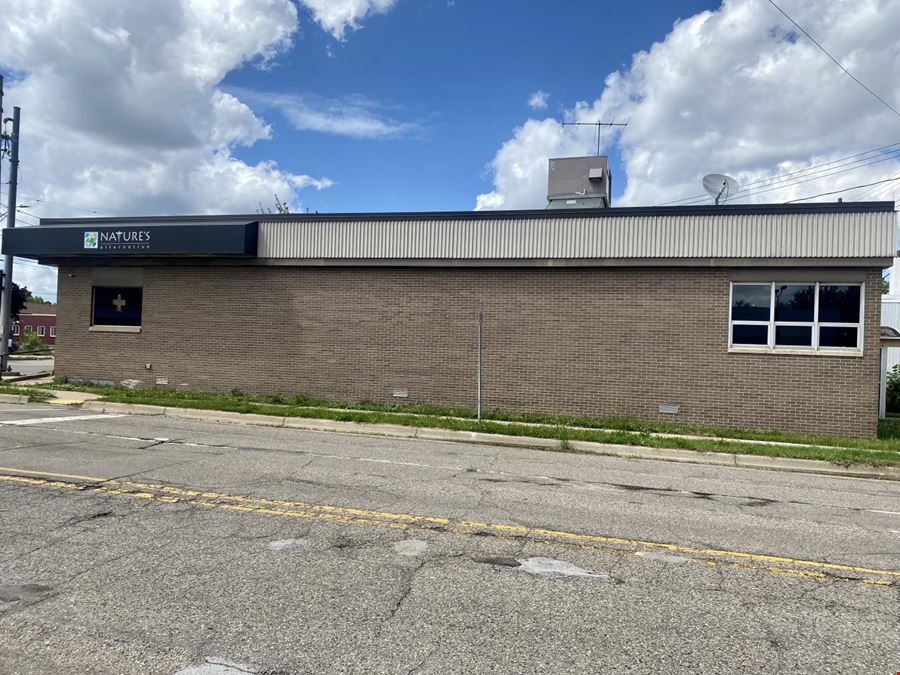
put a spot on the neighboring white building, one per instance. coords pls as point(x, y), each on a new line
point(890, 313)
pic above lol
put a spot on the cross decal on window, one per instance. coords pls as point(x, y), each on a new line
point(119, 302)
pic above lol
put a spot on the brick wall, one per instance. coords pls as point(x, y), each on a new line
point(36, 322)
point(589, 341)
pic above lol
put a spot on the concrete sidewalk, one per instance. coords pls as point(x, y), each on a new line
point(72, 398)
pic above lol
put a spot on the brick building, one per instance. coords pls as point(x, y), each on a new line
point(37, 318)
point(763, 316)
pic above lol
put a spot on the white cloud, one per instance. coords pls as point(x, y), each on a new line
point(122, 111)
point(520, 165)
point(538, 100)
point(734, 91)
point(354, 116)
point(336, 16)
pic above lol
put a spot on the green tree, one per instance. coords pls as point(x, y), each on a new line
point(19, 298)
point(34, 298)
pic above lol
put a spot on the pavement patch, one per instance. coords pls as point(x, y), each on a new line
point(216, 666)
point(285, 544)
point(551, 567)
point(24, 593)
point(411, 547)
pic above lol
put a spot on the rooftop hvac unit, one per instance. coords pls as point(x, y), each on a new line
point(579, 183)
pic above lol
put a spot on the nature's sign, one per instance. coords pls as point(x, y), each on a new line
point(191, 240)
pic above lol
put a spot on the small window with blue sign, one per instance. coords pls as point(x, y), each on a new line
point(116, 306)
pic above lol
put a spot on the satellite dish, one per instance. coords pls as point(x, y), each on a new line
point(720, 186)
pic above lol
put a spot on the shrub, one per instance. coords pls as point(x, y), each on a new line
point(30, 342)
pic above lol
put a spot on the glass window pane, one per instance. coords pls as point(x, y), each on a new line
point(117, 306)
point(839, 304)
point(794, 302)
point(793, 336)
point(749, 335)
point(837, 337)
point(750, 302)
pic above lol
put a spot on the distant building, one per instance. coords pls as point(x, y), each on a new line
point(38, 318)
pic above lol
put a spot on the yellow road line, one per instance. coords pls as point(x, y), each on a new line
point(45, 474)
point(338, 514)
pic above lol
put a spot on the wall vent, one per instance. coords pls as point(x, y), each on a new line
point(668, 408)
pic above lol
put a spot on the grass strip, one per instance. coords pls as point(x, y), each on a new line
point(888, 430)
point(557, 427)
point(37, 395)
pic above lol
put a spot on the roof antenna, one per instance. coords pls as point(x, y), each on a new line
point(597, 124)
point(719, 186)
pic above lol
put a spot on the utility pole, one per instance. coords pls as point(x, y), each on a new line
point(11, 196)
point(5, 289)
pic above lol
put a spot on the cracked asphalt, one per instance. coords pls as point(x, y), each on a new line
point(155, 545)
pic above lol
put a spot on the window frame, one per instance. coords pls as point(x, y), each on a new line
point(114, 328)
point(41, 331)
point(815, 325)
point(15, 330)
point(28, 329)
point(53, 331)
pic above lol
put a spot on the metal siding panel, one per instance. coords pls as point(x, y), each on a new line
point(841, 235)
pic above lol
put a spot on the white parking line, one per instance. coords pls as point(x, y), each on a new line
point(43, 420)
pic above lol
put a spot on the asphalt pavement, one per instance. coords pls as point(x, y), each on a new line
point(31, 366)
point(158, 545)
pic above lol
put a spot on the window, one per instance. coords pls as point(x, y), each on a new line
point(28, 330)
point(53, 331)
point(16, 329)
point(41, 331)
point(813, 316)
point(116, 306)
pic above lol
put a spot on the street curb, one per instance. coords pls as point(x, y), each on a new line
point(451, 435)
point(13, 398)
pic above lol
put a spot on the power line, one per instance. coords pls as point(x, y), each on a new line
point(837, 63)
point(878, 189)
point(835, 192)
point(68, 206)
point(806, 179)
point(800, 173)
point(19, 210)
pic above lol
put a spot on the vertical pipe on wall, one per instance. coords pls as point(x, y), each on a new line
point(480, 333)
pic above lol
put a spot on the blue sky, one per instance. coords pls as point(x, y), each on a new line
point(462, 73)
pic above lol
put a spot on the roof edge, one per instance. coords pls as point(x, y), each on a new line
point(636, 211)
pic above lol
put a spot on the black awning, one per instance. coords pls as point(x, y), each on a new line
point(189, 240)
